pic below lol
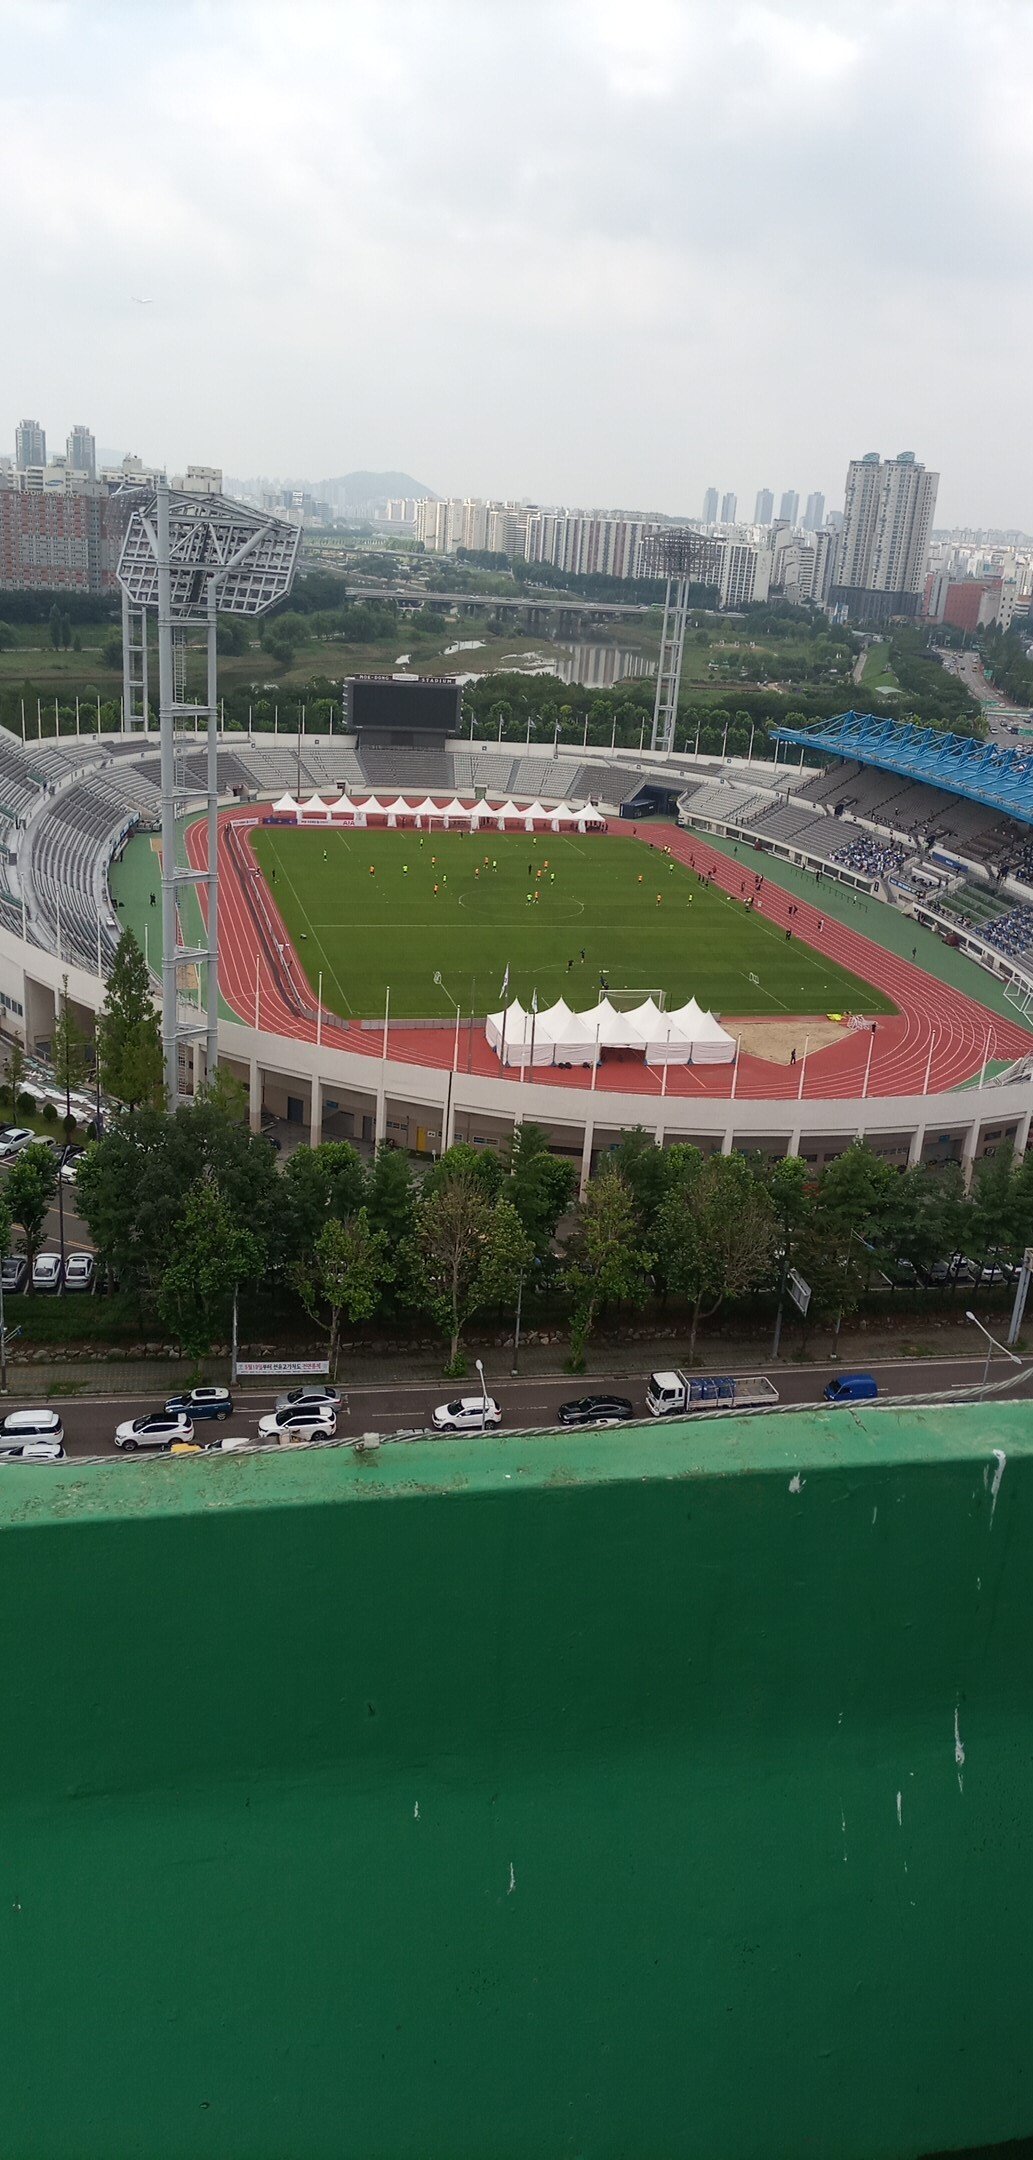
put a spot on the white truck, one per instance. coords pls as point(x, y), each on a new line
point(678, 1394)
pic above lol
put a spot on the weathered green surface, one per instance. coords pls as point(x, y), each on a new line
point(587, 1796)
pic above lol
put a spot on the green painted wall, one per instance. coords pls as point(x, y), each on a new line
point(576, 1796)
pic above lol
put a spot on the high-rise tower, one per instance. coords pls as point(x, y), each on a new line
point(881, 555)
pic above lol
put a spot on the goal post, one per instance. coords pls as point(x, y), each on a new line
point(625, 1000)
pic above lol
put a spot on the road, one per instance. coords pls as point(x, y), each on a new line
point(90, 1425)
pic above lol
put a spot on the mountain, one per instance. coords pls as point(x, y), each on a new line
point(364, 491)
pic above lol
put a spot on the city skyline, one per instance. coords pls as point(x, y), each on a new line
point(477, 277)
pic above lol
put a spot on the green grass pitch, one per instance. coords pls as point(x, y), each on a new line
point(596, 895)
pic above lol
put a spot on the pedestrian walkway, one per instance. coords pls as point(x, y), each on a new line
point(945, 1335)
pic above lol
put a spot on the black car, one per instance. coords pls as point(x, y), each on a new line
point(596, 1410)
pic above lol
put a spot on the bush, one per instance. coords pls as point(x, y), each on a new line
point(69, 1122)
point(49, 1113)
point(27, 1104)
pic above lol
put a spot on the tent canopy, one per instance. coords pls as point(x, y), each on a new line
point(557, 1035)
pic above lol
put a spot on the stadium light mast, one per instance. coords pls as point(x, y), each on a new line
point(190, 557)
point(684, 558)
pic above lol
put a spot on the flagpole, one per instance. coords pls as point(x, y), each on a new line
point(868, 1066)
point(929, 1065)
point(387, 1019)
point(534, 1023)
point(735, 1067)
point(803, 1068)
point(595, 1067)
point(258, 964)
point(319, 1011)
point(986, 1058)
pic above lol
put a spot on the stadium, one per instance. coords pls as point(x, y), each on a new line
point(425, 939)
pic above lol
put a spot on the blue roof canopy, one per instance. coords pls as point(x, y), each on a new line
point(984, 773)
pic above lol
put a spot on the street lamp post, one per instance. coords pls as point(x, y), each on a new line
point(484, 1394)
point(516, 1331)
point(446, 1137)
point(992, 1344)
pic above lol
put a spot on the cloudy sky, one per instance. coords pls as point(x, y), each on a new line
point(596, 251)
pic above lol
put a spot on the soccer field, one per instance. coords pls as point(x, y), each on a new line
point(372, 909)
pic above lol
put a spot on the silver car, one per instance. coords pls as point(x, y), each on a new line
point(314, 1392)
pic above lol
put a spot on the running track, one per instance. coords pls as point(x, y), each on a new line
point(931, 1018)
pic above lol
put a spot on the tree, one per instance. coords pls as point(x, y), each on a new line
point(606, 1263)
point(8, 637)
point(55, 627)
point(346, 1272)
point(31, 1185)
point(540, 1184)
point(128, 1031)
point(480, 1165)
point(320, 1182)
point(68, 1050)
point(717, 1234)
point(466, 1253)
point(111, 650)
point(210, 1257)
point(15, 1080)
point(390, 1199)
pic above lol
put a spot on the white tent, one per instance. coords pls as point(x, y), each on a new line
point(343, 807)
point(455, 808)
point(558, 1036)
point(372, 807)
point(314, 807)
point(286, 802)
point(398, 808)
point(709, 1041)
point(427, 809)
point(572, 1040)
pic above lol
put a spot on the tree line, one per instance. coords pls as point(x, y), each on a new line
point(190, 1206)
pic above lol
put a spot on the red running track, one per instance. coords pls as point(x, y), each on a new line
point(936, 1028)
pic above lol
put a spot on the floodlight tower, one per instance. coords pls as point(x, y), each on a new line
point(684, 558)
point(191, 557)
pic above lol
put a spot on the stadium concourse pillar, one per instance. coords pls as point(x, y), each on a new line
point(914, 1153)
point(380, 1129)
point(255, 1095)
point(968, 1152)
point(316, 1113)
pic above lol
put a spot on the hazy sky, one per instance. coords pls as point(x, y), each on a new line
point(600, 251)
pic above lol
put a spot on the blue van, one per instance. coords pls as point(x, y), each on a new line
point(852, 1387)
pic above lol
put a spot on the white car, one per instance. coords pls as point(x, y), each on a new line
point(21, 1429)
point(159, 1430)
point(12, 1140)
point(46, 1271)
point(80, 1269)
point(31, 1451)
point(468, 1413)
point(303, 1421)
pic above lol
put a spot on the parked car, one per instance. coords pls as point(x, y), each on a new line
point(21, 1426)
point(46, 1271)
point(468, 1413)
point(596, 1410)
point(69, 1169)
point(228, 1444)
point(12, 1140)
point(314, 1392)
point(158, 1430)
point(903, 1275)
point(202, 1402)
point(303, 1421)
point(996, 1272)
point(851, 1387)
point(15, 1273)
point(31, 1451)
point(80, 1270)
